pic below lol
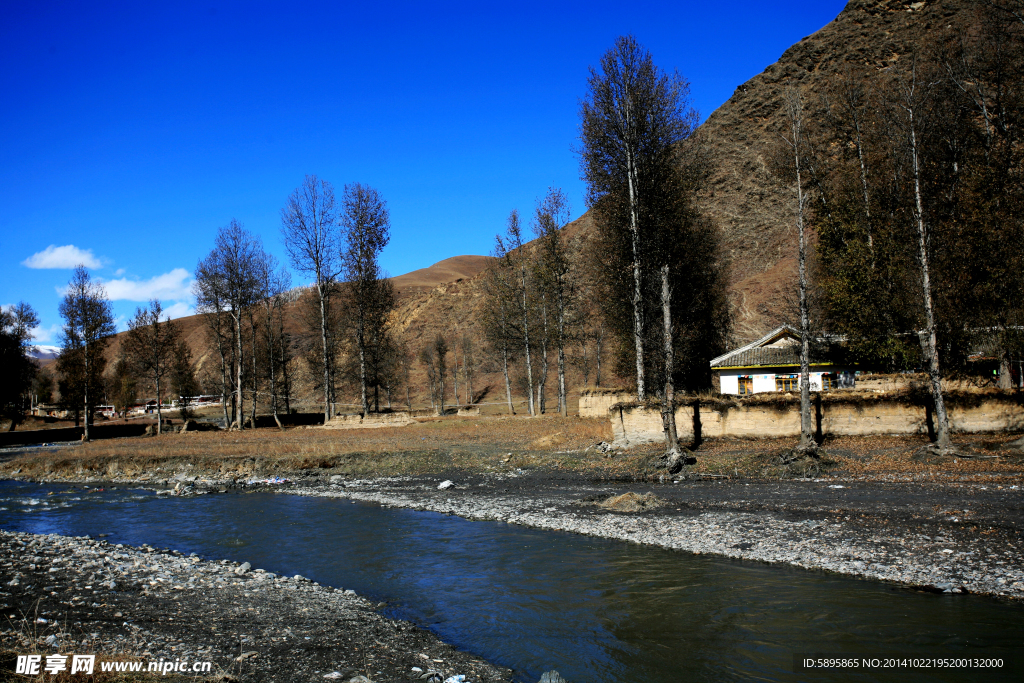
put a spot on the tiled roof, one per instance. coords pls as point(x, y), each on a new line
point(765, 356)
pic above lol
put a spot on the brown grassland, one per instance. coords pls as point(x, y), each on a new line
point(549, 444)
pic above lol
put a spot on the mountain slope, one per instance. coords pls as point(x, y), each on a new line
point(754, 212)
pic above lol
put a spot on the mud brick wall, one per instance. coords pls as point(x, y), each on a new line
point(638, 424)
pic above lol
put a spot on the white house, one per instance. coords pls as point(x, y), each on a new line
point(772, 363)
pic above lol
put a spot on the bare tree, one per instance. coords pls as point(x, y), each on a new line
point(794, 114)
point(211, 302)
point(644, 170)
point(910, 97)
point(426, 357)
point(552, 214)
point(440, 354)
point(88, 326)
point(183, 379)
point(631, 119)
point(227, 281)
point(510, 249)
point(273, 283)
point(499, 310)
point(367, 227)
point(150, 345)
point(311, 237)
point(468, 364)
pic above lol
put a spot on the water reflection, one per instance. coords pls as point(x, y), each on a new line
point(596, 610)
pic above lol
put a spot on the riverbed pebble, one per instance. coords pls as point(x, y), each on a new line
point(250, 625)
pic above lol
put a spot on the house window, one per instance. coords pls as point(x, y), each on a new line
point(746, 385)
point(829, 380)
point(786, 383)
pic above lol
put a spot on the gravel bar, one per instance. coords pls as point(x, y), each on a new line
point(83, 596)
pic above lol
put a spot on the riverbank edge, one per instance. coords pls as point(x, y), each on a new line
point(812, 544)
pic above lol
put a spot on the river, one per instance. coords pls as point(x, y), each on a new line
point(594, 609)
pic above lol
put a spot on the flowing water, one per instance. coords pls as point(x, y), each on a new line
point(596, 610)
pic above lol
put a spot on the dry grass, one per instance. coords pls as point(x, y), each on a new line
point(502, 443)
point(428, 446)
point(879, 458)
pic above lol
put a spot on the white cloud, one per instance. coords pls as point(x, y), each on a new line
point(179, 310)
point(45, 334)
point(174, 285)
point(119, 272)
point(68, 256)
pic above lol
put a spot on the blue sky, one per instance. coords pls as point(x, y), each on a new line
point(132, 131)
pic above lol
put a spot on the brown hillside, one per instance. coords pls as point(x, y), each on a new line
point(755, 213)
point(442, 272)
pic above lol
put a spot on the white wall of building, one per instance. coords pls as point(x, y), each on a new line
point(765, 381)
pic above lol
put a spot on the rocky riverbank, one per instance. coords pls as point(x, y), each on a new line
point(954, 538)
point(84, 596)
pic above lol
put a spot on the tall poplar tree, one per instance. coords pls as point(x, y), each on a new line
point(366, 227)
point(88, 326)
point(644, 170)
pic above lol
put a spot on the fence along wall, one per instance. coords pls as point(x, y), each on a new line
point(635, 424)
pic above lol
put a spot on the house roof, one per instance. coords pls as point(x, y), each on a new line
point(781, 346)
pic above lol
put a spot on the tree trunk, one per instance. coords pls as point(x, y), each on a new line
point(255, 377)
point(223, 371)
point(942, 442)
point(159, 415)
point(585, 363)
point(326, 355)
point(1005, 379)
point(563, 407)
point(668, 404)
point(362, 370)
point(508, 385)
point(526, 345)
point(85, 401)
point(440, 393)
point(598, 342)
point(807, 443)
point(240, 405)
point(455, 374)
point(543, 381)
point(273, 371)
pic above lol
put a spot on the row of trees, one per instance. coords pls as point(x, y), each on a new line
point(345, 311)
point(350, 301)
point(153, 355)
point(912, 179)
point(533, 301)
point(651, 275)
point(434, 358)
point(242, 291)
